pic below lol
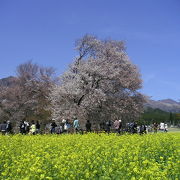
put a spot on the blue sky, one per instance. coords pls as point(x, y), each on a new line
point(44, 31)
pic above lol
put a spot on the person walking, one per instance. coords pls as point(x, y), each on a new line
point(76, 125)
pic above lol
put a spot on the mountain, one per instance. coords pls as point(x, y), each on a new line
point(169, 101)
point(167, 105)
point(9, 81)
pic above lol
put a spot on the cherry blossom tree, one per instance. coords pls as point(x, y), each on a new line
point(101, 84)
point(27, 96)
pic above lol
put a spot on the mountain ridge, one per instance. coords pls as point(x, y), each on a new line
point(168, 105)
point(8, 81)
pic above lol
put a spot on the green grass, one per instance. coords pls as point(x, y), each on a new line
point(174, 129)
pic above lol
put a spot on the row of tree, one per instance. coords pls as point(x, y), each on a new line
point(101, 84)
point(151, 115)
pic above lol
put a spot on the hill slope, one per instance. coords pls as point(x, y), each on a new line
point(167, 105)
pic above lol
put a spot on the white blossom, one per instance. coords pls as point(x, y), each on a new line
point(101, 84)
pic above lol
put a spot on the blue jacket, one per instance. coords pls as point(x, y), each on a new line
point(76, 123)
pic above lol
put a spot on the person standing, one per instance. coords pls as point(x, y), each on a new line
point(27, 127)
point(133, 127)
point(142, 129)
point(64, 125)
point(88, 126)
point(3, 127)
point(116, 126)
point(102, 126)
point(22, 127)
point(120, 126)
point(53, 127)
point(67, 125)
point(8, 127)
point(165, 128)
point(155, 127)
point(76, 125)
point(38, 126)
point(108, 126)
point(33, 128)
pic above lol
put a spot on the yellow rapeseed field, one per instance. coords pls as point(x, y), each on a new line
point(90, 156)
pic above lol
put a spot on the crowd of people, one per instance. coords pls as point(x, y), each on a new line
point(74, 127)
point(27, 128)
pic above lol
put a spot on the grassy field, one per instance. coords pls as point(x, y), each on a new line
point(174, 129)
point(90, 156)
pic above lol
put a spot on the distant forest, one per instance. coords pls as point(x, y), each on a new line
point(151, 115)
